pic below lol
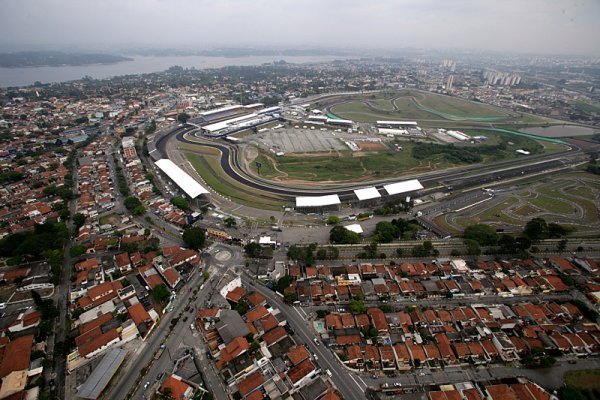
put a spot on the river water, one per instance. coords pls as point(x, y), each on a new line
point(139, 65)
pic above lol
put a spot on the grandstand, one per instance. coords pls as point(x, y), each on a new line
point(185, 182)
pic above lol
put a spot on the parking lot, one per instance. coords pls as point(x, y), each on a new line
point(298, 140)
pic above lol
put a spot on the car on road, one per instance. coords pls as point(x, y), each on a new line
point(159, 376)
point(315, 356)
point(316, 341)
point(162, 346)
point(146, 385)
point(328, 372)
point(397, 384)
point(185, 319)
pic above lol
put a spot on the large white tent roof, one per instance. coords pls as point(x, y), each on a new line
point(354, 228)
point(403, 187)
point(367, 193)
point(188, 184)
point(317, 201)
point(406, 123)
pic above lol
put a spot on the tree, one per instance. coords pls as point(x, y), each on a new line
point(282, 283)
point(333, 220)
point(139, 210)
point(37, 299)
point(472, 246)
point(341, 235)
point(357, 306)
point(194, 237)
point(556, 231)
point(253, 250)
point(483, 234)
point(183, 117)
point(79, 220)
point(77, 250)
point(230, 222)
point(562, 245)
point(160, 293)
point(131, 203)
point(290, 297)
point(180, 203)
point(536, 229)
point(386, 232)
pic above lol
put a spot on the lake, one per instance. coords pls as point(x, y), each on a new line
point(139, 65)
point(561, 131)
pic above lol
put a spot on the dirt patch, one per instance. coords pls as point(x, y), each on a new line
point(370, 145)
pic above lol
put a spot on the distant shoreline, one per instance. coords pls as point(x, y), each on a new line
point(67, 65)
point(25, 59)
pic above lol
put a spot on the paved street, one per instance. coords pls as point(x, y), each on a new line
point(351, 387)
point(183, 337)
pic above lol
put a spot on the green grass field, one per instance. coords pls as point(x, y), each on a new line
point(348, 166)
point(209, 169)
point(586, 379)
point(427, 108)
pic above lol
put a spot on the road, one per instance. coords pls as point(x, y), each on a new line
point(123, 383)
point(350, 386)
point(183, 337)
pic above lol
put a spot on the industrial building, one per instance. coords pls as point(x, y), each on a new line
point(233, 120)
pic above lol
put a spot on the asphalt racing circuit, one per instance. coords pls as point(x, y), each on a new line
point(461, 178)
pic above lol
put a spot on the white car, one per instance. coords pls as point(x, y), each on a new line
point(315, 356)
point(146, 385)
point(328, 372)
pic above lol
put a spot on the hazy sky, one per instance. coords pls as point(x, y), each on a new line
point(540, 26)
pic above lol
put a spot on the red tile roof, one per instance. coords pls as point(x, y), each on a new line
point(175, 388)
point(297, 354)
point(274, 335)
point(250, 383)
point(301, 370)
point(139, 314)
point(16, 355)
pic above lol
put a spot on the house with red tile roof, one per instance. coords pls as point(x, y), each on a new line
point(274, 335)
point(236, 294)
point(175, 388)
point(16, 355)
point(402, 357)
point(298, 353)
point(25, 320)
point(122, 262)
point(300, 374)
point(354, 356)
point(232, 350)
point(378, 319)
point(251, 383)
point(95, 342)
point(150, 275)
